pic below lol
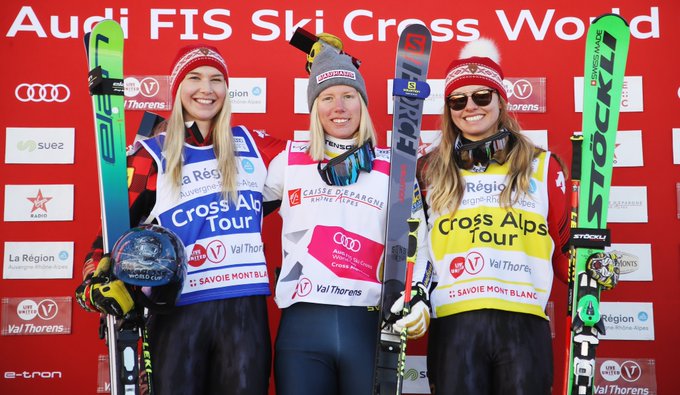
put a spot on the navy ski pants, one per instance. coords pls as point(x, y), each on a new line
point(325, 349)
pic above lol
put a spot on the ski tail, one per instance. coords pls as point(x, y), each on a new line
point(605, 60)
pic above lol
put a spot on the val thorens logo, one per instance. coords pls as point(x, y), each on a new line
point(39, 202)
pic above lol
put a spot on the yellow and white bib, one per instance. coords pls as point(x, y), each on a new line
point(486, 256)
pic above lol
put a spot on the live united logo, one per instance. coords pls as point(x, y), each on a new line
point(39, 203)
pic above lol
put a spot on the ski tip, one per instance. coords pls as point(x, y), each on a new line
point(609, 16)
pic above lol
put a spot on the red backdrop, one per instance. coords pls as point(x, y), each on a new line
point(536, 39)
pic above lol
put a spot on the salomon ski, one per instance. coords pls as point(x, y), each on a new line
point(409, 89)
point(104, 47)
point(605, 61)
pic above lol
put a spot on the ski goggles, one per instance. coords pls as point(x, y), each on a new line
point(344, 169)
point(481, 98)
point(476, 155)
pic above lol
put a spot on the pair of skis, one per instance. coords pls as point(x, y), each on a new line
point(593, 156)
point(104, 46)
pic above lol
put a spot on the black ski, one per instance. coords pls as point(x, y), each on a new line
point(409, 89)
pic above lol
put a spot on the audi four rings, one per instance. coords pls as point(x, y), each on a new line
point(351, 244)
point(42, 93)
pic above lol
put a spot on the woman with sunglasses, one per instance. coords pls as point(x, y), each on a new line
point(498, 219)
point(334, 204)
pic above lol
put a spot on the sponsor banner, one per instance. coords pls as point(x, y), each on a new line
point(631, 94)
point(301, 135)
point(676, 146)
point(248, 95)
point(152, 93)
point(628, 149)
point(147, 93)
point(538, 137)
point(628, 320)
point(46, 202)
point(627, 205)
point(625, 376)
point(415, 375)
point(36, 316)
point(39, 145)
point(636, 261)
point(525, 95)
point(300, 96)
point(29, 260)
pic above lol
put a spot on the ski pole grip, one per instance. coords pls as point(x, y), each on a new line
point(413, 225)
point(576, 144)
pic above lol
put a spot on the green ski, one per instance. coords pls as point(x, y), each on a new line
point(104, 47)
point(605, 60)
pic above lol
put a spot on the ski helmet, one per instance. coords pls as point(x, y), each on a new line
point(152, 261)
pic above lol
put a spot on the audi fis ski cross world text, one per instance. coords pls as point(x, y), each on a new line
point(602, 107)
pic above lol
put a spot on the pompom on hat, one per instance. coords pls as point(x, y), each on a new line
point(193, 56)
point(478, 64)
point(331, 68)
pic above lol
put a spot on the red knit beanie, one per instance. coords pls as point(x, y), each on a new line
point(477, 65)
point(193, 56)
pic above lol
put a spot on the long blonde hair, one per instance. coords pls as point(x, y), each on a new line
point(223, 144)
point(445, 183)
point(317, 142)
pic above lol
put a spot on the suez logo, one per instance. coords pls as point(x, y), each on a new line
point(42, 92)
point(39, 145)
point(32, 145)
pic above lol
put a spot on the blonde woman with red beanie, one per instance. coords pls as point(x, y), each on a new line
point(203, 180)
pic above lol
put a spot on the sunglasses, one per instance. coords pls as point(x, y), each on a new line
point(481, 98)
point(344, 169)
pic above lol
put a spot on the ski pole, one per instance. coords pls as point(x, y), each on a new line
point(413, 225)
point(576, 143)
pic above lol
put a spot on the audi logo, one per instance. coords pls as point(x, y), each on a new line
point(351, 244)
point(42, 93)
